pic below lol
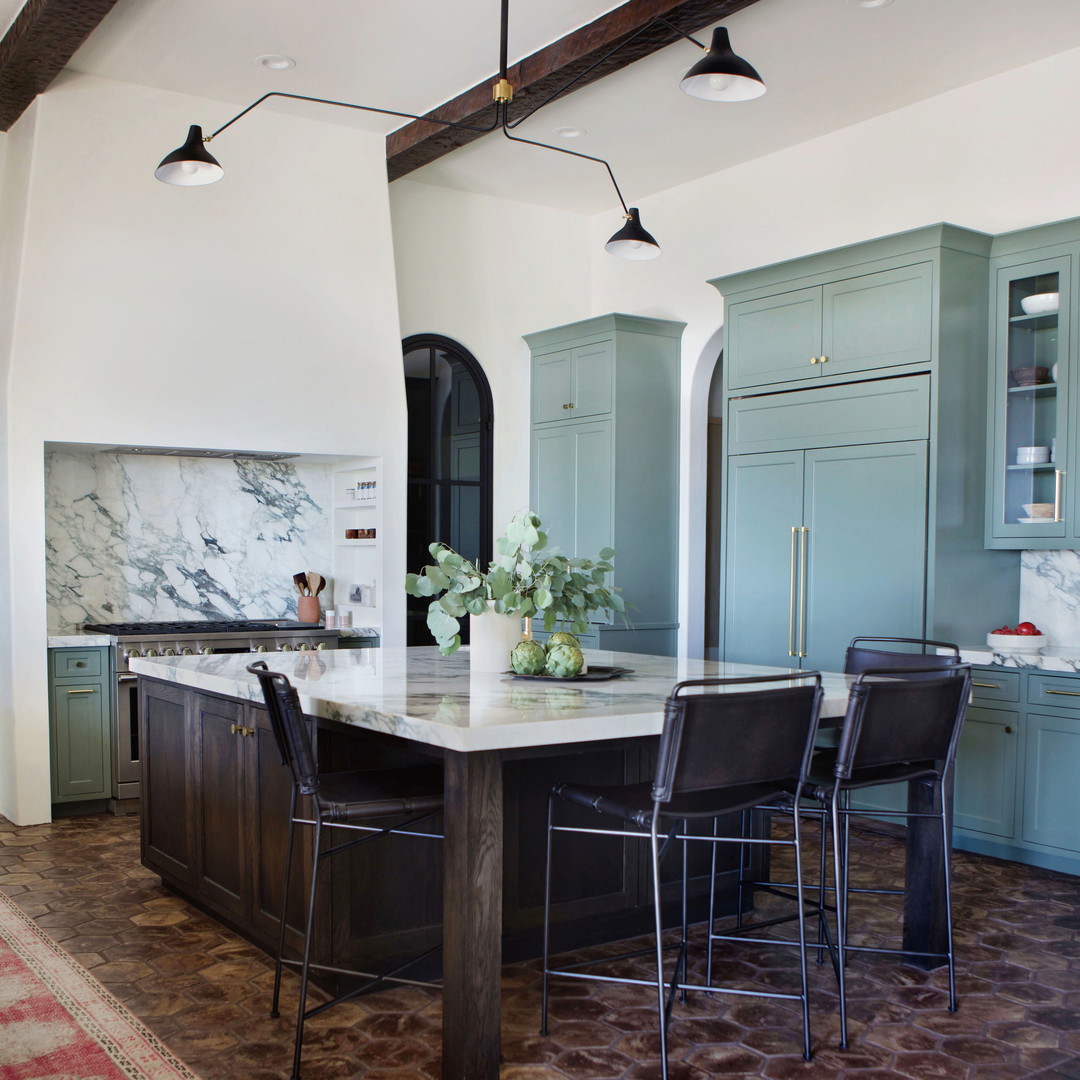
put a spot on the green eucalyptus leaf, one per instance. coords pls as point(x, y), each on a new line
point(437, 577)
point(607, 553)
point(542, 598)
point(452, 604)
point(476, 605)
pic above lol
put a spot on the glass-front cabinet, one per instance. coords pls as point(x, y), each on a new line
point(1031, 504)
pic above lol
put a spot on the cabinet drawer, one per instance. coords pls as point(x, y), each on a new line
point(1062, 692)
point(77, 663)
point(884, 410)
point(995, 685)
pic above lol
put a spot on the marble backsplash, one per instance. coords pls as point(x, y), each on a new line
point(170, 538)
point(1050, 594)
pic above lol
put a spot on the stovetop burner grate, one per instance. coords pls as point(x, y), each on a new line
point(237, 626)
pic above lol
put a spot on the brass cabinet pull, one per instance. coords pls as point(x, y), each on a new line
point(248, 731)
point(88, 690)
point(823, 360)
point(234, 729)
point(1008, 730)
point(804, 533)
point(1058, 474)
point(1064, 693)
point(813, 360)
point(986, 685)
point(791, 602)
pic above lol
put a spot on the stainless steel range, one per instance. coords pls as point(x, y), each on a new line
point(186, 639)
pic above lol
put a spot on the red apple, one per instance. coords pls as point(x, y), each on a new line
point(1028, 629)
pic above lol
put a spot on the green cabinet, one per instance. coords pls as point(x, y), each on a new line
point(854, 489)
point(1016, 768)
point(1032, 489)
point(80, 712)
point(604, 461)
point(807, 561)
point(857, 324)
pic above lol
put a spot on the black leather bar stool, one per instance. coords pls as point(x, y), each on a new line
point(864, 653)
point(341, 800)
point(902, 725)
point(727, 745)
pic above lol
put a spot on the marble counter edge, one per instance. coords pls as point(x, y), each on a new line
point(1054, 658)
point(80, 641)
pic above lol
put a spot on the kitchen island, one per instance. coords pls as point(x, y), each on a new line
point(503, 742)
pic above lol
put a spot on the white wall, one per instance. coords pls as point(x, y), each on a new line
point(259, 314)
point(484, 271)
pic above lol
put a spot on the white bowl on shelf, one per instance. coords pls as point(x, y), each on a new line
point(1017, 643)
point(1044, 303)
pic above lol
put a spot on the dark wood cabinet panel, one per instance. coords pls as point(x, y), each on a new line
point(166, 816)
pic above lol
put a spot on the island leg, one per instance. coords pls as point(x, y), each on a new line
point(925, 925)
point(472, 916)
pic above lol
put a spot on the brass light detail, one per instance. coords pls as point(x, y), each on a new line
point(502, 91)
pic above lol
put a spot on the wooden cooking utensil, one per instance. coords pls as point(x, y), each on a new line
point(300, 581)
point(320, 584)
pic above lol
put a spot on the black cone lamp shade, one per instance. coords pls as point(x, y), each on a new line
point(720, 75)
point(632, 241)
point(191, 165)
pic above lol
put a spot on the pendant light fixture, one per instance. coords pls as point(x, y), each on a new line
point(719, 76)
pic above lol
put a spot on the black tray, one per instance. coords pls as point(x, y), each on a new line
point(596, 673)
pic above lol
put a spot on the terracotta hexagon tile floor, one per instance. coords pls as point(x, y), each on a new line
point(206, 992)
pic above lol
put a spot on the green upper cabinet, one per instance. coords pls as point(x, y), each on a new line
point(858, 324)
point(1032, 484)
point(604, 462)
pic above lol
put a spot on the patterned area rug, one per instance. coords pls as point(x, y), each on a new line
point(57, 1022)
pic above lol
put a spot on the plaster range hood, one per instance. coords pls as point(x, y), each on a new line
point(193, 452)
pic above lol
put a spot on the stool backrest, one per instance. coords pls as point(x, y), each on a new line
point(898, 715)
point(737, 731)
point(289, 727)
point(862, 654)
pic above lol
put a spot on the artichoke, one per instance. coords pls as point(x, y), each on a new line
point(528, 658)
point(564, 661)
point(561, 637)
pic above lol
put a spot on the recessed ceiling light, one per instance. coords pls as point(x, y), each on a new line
point(570, 132)
point(872, 3)
point(275, 62)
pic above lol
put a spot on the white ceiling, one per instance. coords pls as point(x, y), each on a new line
point(827, 63)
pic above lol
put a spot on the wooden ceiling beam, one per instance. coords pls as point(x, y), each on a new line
point(43, 38)
point(542, 74)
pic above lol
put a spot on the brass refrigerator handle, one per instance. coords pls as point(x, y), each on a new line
point(804, 532)
point(1057, 494)
point(791, 602)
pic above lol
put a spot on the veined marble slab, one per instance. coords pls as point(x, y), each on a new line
point(1051, 658)
point(420, 695)
point(80, 641)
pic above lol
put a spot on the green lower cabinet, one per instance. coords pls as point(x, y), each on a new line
point(1051, 788)
point(80, 708)
point(986, 760)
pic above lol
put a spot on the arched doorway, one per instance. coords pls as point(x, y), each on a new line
point(449, 461)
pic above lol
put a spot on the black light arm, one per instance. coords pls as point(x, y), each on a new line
point(349, 105)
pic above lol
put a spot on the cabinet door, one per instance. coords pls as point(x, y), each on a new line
point(80, 740)
point(774, 339)
point(572, 485)
point(764, 513)
point(985, 793)
point(1051, 792)
point(865, 512)
point(573, 383)
point(166, 803)
point(219, 746)
point(1029, 502)
point(877, 320)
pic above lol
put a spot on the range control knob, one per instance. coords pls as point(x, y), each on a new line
point(304, 647)
point(133, 652)
point(321, 646)
point(260, 648)
point(206, 650)
point(151, 652)
point(169, 652)
point(185, 651)
point(286, 648)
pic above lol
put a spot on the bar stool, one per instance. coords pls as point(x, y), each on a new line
point(901, 725)
point(862, 654)
point(727, 745)
point(340, 800)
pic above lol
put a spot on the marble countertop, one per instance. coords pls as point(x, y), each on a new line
point(1052, 658)
point(78, 639)
point(418, 694)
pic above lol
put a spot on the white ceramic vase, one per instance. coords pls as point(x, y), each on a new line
point(491, 637)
